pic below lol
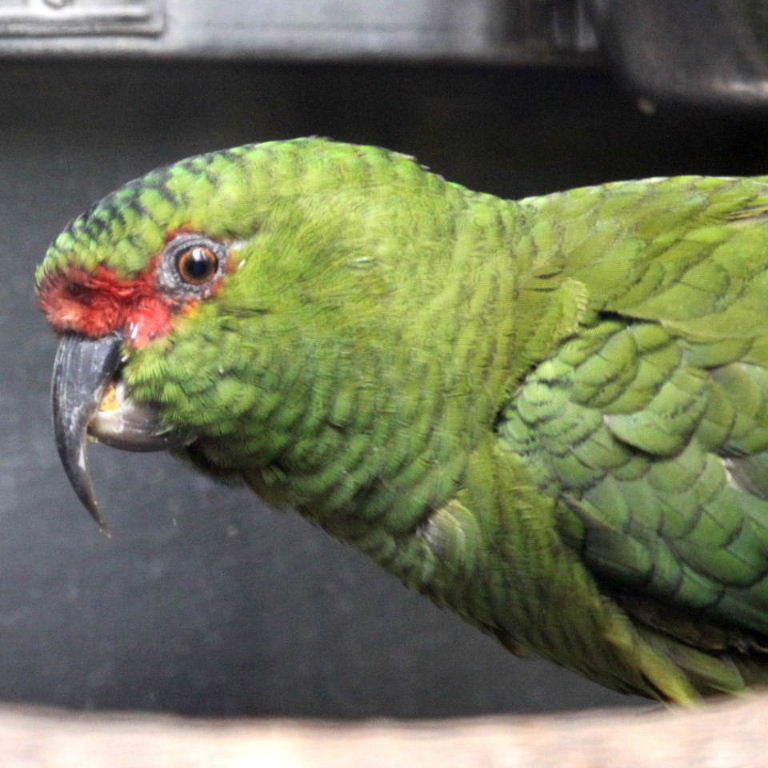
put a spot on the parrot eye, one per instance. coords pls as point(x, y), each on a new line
point(191, 263)
point(197, 265)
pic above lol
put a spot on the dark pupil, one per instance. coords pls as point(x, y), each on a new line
point(197, 264)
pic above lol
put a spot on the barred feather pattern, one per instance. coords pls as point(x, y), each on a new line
point(549, 415)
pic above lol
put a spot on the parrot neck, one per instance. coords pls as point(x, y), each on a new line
point(358, 393)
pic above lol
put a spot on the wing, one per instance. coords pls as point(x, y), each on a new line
point(650, 424)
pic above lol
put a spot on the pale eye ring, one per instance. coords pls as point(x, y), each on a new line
point(191, 263)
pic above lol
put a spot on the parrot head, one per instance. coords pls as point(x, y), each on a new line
point(185, 300)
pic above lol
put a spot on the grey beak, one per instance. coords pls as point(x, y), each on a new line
point(81, 371)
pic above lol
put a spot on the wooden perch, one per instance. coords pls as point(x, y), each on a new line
point(726, 734)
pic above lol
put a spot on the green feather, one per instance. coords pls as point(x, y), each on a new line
point(550, 415)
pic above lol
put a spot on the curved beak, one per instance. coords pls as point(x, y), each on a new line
point(89, 399)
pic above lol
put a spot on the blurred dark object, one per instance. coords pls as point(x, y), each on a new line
point(712, 53)
point(493, 31)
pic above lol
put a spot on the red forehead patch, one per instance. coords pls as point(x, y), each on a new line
point(99, 302)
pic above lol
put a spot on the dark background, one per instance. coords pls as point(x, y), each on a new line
point(203, 601)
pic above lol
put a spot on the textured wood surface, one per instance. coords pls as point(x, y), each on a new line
point(721, 735)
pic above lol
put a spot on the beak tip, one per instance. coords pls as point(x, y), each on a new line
point(95, 513)
point(83, 487)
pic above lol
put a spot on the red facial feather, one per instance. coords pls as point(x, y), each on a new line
point(97, 303)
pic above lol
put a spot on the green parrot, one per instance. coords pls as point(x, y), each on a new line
point(549, 415)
